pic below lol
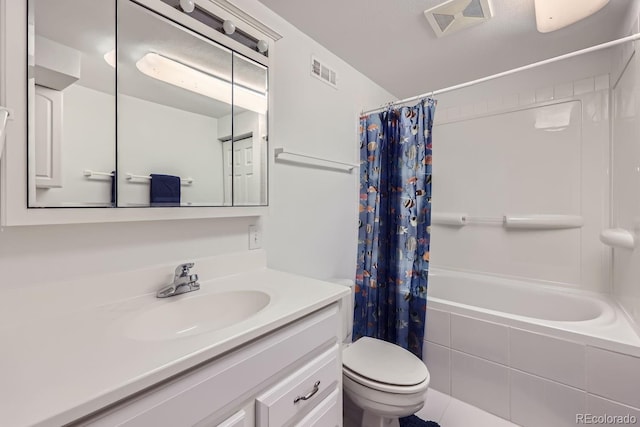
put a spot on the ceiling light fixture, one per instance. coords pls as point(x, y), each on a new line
point(552, 15)
point(110, 58)
point(177, 74)
point(229, 27)
point(187, 5)
point(262, 46)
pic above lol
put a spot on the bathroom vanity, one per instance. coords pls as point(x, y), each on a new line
point(267, 354)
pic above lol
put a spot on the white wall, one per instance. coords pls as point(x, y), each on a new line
point(312, 228)
point(489, 159)
point(313, 221)
point(155, 138)
point(625, 180)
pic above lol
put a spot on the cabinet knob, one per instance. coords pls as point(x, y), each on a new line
point(309, 395)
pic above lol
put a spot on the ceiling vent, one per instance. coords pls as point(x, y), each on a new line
point(454, 15)
point(323, 72)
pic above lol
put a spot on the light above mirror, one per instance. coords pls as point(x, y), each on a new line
point(186, 77)
point(110, 58)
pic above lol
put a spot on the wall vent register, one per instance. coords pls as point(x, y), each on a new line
point(321, 71)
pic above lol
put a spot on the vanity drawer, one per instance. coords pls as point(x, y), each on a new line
point(327, 414)
point(239, 419)
point(300, 391)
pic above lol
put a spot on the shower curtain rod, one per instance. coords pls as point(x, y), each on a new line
point(597, 47)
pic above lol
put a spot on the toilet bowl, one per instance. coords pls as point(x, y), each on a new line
point(385, 381)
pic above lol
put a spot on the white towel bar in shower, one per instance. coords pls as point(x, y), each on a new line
point(618, 238)
point(543, 222)
point(454, 219)
point(529, 222)
point(315, 161)
point(132, 177)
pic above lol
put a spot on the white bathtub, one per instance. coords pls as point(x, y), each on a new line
point(585, 317)
point(533, 353)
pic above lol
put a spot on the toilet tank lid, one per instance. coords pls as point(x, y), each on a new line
point(384, 362)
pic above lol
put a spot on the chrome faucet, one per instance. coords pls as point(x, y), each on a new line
point(183, 282)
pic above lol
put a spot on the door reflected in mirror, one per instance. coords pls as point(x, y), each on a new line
point(247, 150)
point(71, 91)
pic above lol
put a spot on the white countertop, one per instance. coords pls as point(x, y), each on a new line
point(62, 366)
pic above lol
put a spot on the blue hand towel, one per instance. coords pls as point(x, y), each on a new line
point(165, 190)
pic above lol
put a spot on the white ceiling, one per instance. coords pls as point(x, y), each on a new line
point(392, 43)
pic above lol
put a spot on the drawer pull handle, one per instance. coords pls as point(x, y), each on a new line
point(309, 395)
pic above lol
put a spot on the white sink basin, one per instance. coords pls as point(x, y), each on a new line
point(195, 314)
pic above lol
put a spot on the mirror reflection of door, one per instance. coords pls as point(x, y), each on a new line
point(71, 94)
point(250, 94)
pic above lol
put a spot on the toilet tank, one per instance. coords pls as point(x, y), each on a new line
point(347, 309)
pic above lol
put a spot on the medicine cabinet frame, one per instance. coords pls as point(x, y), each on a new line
point(13, 95)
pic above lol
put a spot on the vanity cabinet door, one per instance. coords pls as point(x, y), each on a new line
point(299, 392)
point(328, 413)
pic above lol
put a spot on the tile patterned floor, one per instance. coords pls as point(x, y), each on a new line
point(450, 412)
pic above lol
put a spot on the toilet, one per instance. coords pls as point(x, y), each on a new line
point(384, 381)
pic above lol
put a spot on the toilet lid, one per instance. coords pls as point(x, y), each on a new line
point(384, 362)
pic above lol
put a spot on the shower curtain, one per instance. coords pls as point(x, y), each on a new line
point(395, 216)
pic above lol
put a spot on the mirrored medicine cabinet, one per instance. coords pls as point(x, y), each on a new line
point(135, 104)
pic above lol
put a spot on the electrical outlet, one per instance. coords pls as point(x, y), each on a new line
point(255, 237)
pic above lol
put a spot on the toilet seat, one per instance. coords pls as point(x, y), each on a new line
point(384, 366)
point(387, 388)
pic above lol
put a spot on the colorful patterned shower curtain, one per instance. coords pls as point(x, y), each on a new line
point(395, 216)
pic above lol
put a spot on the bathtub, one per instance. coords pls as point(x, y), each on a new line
point(507, 345)
point(583, 316)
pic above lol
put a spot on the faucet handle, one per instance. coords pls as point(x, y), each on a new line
point(182, 270)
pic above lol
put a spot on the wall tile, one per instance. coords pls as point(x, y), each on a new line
point(583, 86)
point(526, 98)
point(613, 375)
point(481, 383)
point(438, 361)
point(510, 101)
point(602, 82)
point(538, 402)
point(437, 327)
point(544, 94)
point(467, 110)
point(598, 406)
point(480, 107)
point(494, 103)
point(453, 113)
point(552, 358)
point(564, 90)
point(479, 338)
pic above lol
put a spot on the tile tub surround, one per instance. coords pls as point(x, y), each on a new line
point(529, 378)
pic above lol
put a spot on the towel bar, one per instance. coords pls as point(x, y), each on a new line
point(132, 177)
